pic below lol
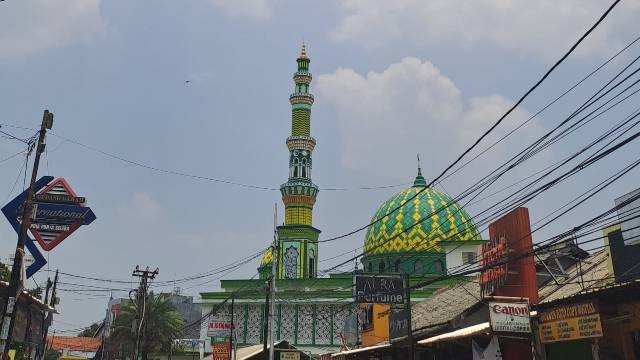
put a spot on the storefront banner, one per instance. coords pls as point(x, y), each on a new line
point(570, 322)
point(398, 323)
point(218, 328)
point(379, 289)
point(289, 355)
point(221, 351)
point(510, 317)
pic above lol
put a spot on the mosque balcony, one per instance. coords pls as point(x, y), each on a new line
point(301, 98)
point(302, 77)
point(297, 186)
point(301, 143)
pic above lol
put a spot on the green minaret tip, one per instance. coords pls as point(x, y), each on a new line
point(303, 52)
point(420, 180)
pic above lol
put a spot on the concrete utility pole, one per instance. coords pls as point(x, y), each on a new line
point(232, 331)
point(274, 275)
point(265, 330)
point(13, 292)
point(141, 301)
point(407, 287)
point(49, 320)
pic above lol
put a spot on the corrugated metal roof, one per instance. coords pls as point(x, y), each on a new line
point(74, 343)
point(591, 273)
point(445, 305)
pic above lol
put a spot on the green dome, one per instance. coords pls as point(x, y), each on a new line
point(446, 221)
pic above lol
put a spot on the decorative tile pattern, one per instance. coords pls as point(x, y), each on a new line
point(323, 324)
point(305, 324)
point(339, 316)
point(238, 319)
point(288, 323)
point(291, 263)
point(445, 220)
point(254, 324)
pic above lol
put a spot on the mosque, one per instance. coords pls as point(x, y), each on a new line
point(311, 311)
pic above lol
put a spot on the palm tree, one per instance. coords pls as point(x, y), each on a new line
point(162, 323)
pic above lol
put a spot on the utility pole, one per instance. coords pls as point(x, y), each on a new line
point(141, 300)
point(52, 303)
point(232, 330)
point(274, 275)
point(265, 330)
point(407, 287)
point(43, 340)
point(13, 292)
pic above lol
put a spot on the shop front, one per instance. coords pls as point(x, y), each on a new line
point(602, 323)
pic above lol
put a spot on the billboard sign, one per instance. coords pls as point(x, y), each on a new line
point(398, 323)
point(289, 355)
point(512, 317)
point(493, 261)
point(376, 289)
point(10, 212)
point(218, 328)
point(221, 350)
point(570, 322)
point(54, 222)
point(508, 265)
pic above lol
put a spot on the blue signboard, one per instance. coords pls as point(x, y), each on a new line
point(10, 211)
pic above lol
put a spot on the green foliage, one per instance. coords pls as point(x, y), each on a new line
point(5, 273)
point(52, 355)
point(36, 292)
point(162, 324)
point(90, 331)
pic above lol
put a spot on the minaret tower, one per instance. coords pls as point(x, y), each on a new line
point(298, 239)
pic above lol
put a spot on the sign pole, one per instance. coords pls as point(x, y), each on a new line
point(407, 288)
point(13, 292)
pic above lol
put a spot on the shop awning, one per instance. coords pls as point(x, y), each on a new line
point(355, 351)
point(458, 334)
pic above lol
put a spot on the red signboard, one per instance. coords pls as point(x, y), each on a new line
point(511, 249)
point(51, 233)
point(221, 350)
point(493, 260)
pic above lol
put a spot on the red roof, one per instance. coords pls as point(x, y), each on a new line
point(74, 343)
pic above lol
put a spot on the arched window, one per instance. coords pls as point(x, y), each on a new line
point(381, 266)
point(291, 263)
point(295, 167)
point(437, 266)
point(396, 266)
point(418, 267)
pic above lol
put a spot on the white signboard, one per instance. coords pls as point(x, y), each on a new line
point(510, 317)
point(218, 328)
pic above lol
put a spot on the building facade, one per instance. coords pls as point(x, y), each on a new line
point(313, 312)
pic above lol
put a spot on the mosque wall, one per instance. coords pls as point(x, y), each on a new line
point(317, 324)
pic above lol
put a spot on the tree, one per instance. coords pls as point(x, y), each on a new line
point(5, 273)
point(162, 323)
point(90, 331)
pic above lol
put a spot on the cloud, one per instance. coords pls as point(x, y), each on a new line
point(29, 27)
point(540, 28)
point(254, 9)
point(142, 210)
point(385, 118)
